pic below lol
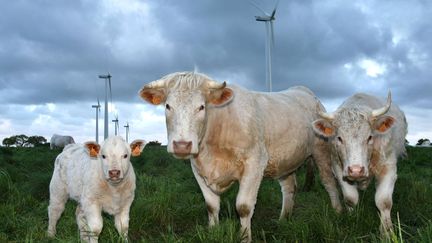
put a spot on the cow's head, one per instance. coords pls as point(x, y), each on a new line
point(114, 155)
point(186, 96)
point(352, 133)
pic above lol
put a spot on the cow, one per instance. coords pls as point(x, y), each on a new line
point(232, 135)
point(367, 135)
point(98, 177)
point(60, 141)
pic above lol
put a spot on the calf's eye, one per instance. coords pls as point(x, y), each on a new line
point(201, 108)
point(125, 156)
point(168, 107)
point(340, 139)
point(103, 156)
point(369, 139)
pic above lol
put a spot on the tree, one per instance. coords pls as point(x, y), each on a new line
point(36, 140)
point(422, 140)
point(154, 143)
point(20, 140)
point(8, 142)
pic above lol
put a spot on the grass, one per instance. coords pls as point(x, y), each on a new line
point(169, 206)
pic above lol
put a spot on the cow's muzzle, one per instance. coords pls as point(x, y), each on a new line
point(356, 173)
point(114, 175)
point(182, 149)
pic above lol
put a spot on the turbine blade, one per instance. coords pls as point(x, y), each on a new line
point(274, 11)
point(271, 35)
point(258, 7)
point(109, 83)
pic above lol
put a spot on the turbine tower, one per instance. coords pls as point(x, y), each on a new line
point(269, 41)
point(127, 132)
point(107, 85)
point(97, 119)
point(116, 125)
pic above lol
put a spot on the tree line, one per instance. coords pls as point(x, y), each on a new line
point(24, 141)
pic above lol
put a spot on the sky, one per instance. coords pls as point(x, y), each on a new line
point(51, 53)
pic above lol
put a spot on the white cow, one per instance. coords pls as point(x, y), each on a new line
point(231, 134)
point(60, 141)
point(367, 136)
point(99, 178)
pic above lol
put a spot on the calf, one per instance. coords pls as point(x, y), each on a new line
point(366, 136)
point(99, 178)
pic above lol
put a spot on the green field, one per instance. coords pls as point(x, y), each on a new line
point(169, 207)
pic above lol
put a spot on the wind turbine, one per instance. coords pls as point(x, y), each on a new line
point(116, 125)
point(127, 132)
point(269, 42)
point(97, 119)
point(107, 85)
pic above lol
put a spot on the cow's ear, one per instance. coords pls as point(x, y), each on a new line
point(137, 147)
point(220, 96)
point(154, 96)
point(383, 124)
point(324, 128)
point(93, 148)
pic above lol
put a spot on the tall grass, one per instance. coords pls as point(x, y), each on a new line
point(169, 206)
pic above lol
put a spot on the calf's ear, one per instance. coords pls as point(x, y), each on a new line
point(137, 147)
point(383, 124)
point(220, 96)
point(324, 128)
point(92, 148)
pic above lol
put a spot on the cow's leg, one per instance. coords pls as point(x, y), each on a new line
point(386, 179)
point(350, 192)
point(322, 158)
point(288, 186)
point(121, 221)
point(247, 196)
point(212, 199)
point(90, 222)
point(58, 199)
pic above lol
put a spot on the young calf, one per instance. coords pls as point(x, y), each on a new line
point(98, 178)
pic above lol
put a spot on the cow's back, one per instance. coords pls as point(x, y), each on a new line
point(279, 122)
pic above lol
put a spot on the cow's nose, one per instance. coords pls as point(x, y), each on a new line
point(114, 174)
point(356, 171)
point(182, 147)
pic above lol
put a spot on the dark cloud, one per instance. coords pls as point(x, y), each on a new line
point(53, 51)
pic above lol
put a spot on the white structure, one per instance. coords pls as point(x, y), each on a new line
point(107, 86)
point(97, 107)
point(234, 135)
point(99, 178)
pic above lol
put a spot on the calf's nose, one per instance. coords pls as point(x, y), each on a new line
point(114, 173)
point(182, 147)
point(356, 171)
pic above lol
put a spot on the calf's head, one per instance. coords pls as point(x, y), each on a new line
point(114, 154)
point(186, 97)
point(352, 132)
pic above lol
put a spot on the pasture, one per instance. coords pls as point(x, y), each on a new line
point(169, 206)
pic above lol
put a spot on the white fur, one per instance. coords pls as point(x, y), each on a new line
point(85, 179)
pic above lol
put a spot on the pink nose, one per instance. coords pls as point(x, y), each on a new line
point(182, 147)
point(356, 171)
point(114, 174)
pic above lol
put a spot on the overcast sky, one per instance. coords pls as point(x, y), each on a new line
point(51, 53)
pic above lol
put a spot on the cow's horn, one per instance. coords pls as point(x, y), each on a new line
point(328, 116)
point(215, 85)
point(383, 110)
point(156, 84)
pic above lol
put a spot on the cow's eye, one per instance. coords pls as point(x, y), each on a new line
point(339, 139)
point(168, 107)
point(125, 156)
point(201, 108)
point(369, 139)
point(103, 156)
